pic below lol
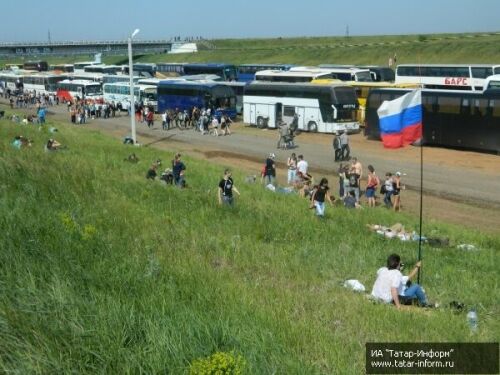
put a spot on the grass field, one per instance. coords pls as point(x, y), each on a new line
point(102, 271)
point(428, 48)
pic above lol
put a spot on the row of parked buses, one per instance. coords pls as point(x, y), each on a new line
point(327, 98)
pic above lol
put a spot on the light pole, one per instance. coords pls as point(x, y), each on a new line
point(131, 75)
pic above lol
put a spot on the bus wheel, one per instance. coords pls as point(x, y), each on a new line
point(312, 127)
point(261, 123)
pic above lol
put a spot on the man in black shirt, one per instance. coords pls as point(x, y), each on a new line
point(226, 187)
point(178, 169)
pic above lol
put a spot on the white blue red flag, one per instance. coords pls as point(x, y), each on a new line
point(401, 120)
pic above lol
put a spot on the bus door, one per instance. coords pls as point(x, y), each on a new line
point(279, 117)
point(253, 118)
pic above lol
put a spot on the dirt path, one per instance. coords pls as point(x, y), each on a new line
point(460, 187)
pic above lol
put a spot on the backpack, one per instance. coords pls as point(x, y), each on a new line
point(353, 181)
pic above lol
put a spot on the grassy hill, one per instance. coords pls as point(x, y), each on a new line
point(102, 271)
point(428, 48)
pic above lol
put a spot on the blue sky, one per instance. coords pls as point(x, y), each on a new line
point(101, 19)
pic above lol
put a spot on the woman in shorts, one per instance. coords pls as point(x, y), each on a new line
point(372, 184)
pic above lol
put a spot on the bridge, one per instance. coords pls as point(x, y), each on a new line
point(69, 48)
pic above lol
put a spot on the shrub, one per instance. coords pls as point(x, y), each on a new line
point(219, 363)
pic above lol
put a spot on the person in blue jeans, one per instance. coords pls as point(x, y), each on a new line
point(321, 194)
point(392, 287)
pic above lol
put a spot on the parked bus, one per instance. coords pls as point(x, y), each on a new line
point(113, 78)
point(450, 77)
point(11, 80)
point(289, 76)
point(42, 83)
point(239, 90)
point(39, 66)
point(13, 66)
point(69, 90)
point(171, 68)
point(203, 77)
point(95, 77)
point(492, 83)
point(340, 73)
point(119, 92)
point(362, 89)
point(380, 73)
point(103, 69)
point(79, 66)
point(320, 108)
point(64, 68)
point(227, 72)
point(185, 95)
point(246, 72)
point(451, 118)
point(142, 70)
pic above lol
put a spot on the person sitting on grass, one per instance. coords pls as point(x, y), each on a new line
point(53, 145)
point(151, 174)
point(350, 200)
point(392, 287)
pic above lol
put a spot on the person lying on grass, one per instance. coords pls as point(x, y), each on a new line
point(392, 287)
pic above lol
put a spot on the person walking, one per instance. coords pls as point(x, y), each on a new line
point(321, 193)
point(337, 147)
point(270, 170)
point(345, 150)
point(292, 169)
point(226, 188)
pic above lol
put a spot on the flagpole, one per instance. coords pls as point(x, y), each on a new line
point(421, 200)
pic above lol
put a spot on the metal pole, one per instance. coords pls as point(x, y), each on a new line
point(132, 98)
point(421, 201)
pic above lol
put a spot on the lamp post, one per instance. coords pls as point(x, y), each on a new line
point(131, 75)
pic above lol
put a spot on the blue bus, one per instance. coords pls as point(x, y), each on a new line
point(246, 72)
point(227, 72)
point(185, 95)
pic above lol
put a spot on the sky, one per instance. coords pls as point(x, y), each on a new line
point(31, 20)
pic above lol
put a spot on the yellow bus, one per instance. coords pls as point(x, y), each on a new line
point(362, 89)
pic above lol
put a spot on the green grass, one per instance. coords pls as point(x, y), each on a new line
point(428, 48)
point(102, 271)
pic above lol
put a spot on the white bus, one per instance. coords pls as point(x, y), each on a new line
point(119, 92)
point(103, 69)
point(43, 83)
point(11, 80)
point(69, 90)
point(113, 78)
point(320, 108)
point(291, 76)
point(96, 77)
point(338, 72)
point(446, 76)
point(492, 82)
point(79, 66)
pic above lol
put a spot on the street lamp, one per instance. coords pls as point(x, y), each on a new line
point(131, 75)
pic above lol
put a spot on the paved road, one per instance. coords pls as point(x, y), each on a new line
point(459, 184)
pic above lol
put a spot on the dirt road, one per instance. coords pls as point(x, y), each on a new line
point(457, 184)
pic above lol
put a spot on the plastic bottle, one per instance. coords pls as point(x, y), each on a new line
point(472, 320)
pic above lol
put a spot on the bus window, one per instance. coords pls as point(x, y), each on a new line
point(481, 72)
point(449, 105)
point(480, 107)
point(288, 111)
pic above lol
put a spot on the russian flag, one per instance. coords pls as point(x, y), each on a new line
point(401, 120)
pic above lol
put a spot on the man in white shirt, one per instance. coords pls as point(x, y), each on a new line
point(391, 285)
point(302, 166)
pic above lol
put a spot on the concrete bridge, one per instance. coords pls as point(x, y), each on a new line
point(106, 47)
